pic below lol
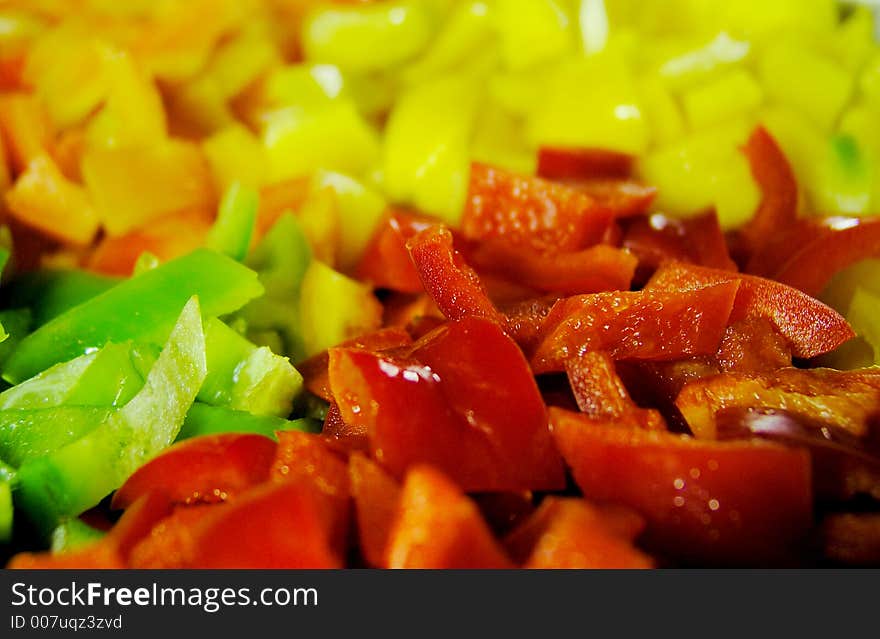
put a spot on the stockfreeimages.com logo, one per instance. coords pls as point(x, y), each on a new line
point(208, 599)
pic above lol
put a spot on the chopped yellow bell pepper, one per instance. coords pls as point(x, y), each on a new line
point(843, 180)
point(590, 102)
point(335, 308)
point(468, 29)
point(130, 186)
point(533, 31)
point(369, 37)
point(426, 145)
point(733, 94)
point(360, 210)
point(133, 113)
point(796, 76)
point(236, 155)
point(661, 111)
point(66, 66)
point(705, 170)
point(300, 141)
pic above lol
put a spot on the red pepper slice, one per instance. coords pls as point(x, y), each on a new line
point(307, 459)
point(572, 533)
point(275, 525)
point(839, 243)
point(598, 268)
point(778, 208)
point(203, 469)
point(647, 325)
point(657, 239)
point(600, 392)
point(451, 283)
point(530, 211)
point(377, 500)
point(314, 369)
point(433, 407)
point(439, 527)
point(386, 262)
point(560, 163)
point(171, 542)
point(624, 198)
point(525, 320)
point(810, 326)
point(708, 502)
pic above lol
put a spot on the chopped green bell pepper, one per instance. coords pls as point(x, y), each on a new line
point(50, 293)
point(6, 512)
point(73, 534)
point(203, 419)
point(143, 308)
point(281, 260)
point(16, 324)
point(110, 376)
point(245, 377)
point(29, 434)
point(76, 477)
point(232, 231)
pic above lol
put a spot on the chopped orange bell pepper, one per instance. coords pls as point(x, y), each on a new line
point(45, 200)
point(25, 127)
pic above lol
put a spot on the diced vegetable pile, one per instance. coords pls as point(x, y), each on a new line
point(439, 284)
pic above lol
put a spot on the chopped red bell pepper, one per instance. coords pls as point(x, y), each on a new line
point(624, 198)
point(557, 163)
point(845, 399)
point(648, 325)
point(377, 500)
point(307, 459)
point(811, 327)
point(274, 525)
point(386, 262)
point(778, 208)
point(432, 406)
point(572, 533)
point(753, 345)
point(452, 284)
point(525, 320)
point(171, 542)
point(529, 211)
point(709, 502)
point(437, 526)
point(203, 469)
point(598, 268)
point(658, 239)
point(314, 369)
point(600, 392)
point(838, 242)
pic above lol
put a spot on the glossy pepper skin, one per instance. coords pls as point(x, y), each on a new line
point(144, 307)
point(432, 406)
point(706, 502)
point(448, 279)
point(646, 325)
point(531, 211)
point(78, 475)
point(779, 195)
point(204, 469)
point(811, 327)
